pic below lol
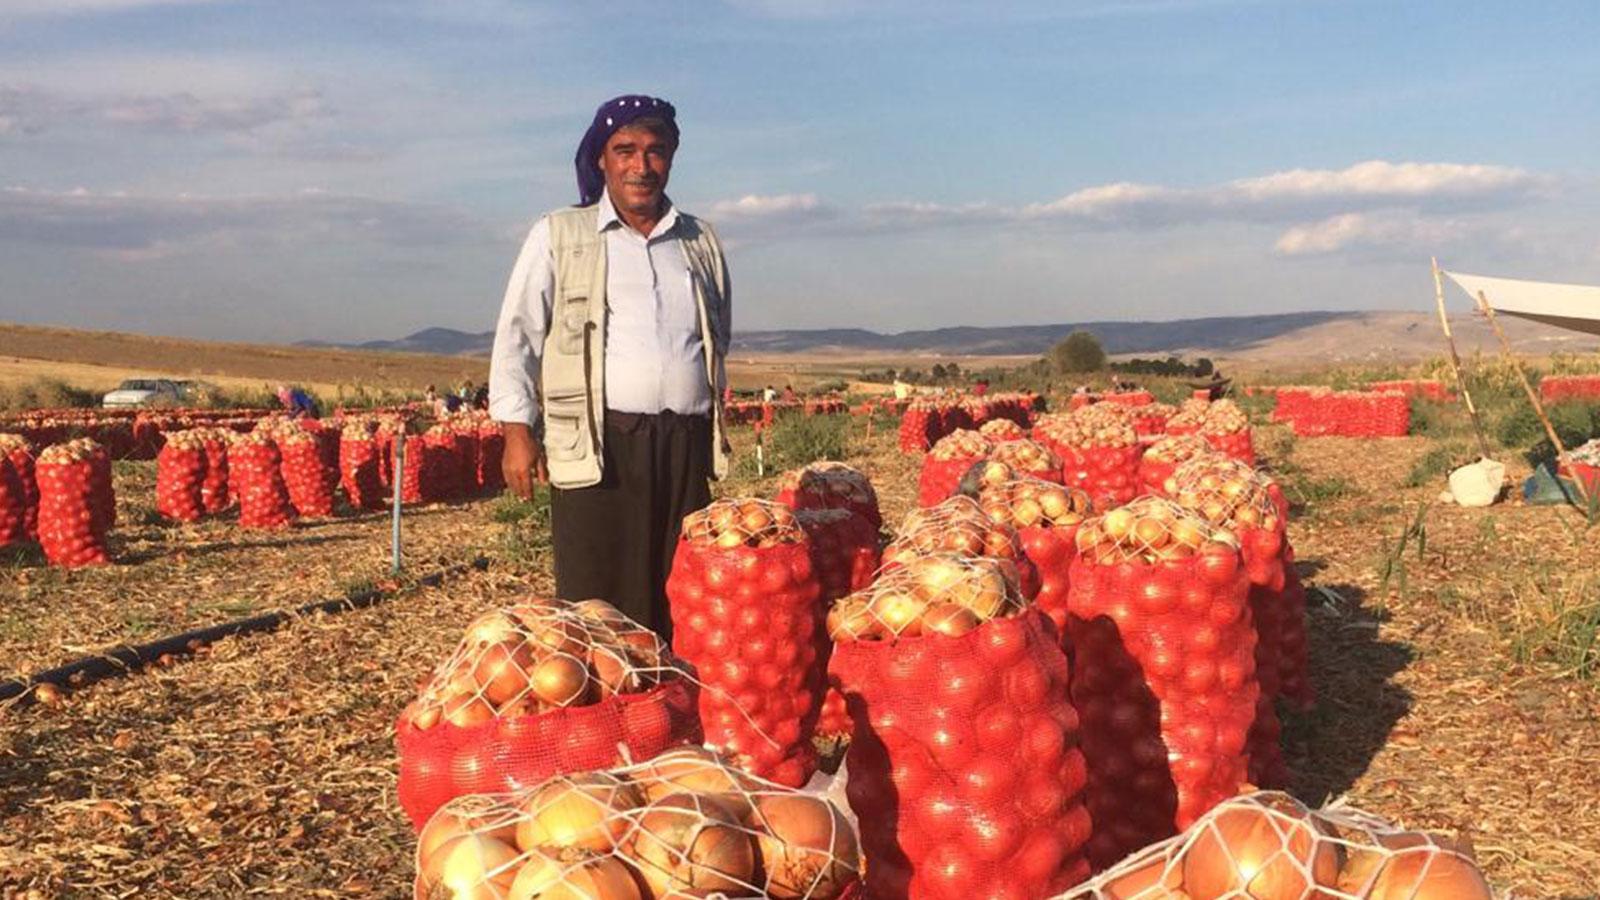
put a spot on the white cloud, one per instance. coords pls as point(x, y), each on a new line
point(769, 207)
point(133, 226)
point(14, 10)
point(1397, 233)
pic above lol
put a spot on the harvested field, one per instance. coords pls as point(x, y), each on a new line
point(267, 766)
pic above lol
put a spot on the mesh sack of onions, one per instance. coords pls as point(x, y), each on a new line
point(959, 526)
point(1163, 671)
point(19, 491)
point(307, 476)
point(1294, 676)
point(1190, 416)
point(535, 690)
point(255, 478)
point(1268, 846)
point(830, 485)
point(413, 471)
point(180, 477)
point(747, 614)
point(1227, 428)
point(214, 496)
point(1151, 419)
point(1163, 457)
point(1232, 496)
point(1099, 451)
point(965, 770)
point(1046, 517)
point(1001, 430)
point(946, 462)
point(360, 472)
point(384, 436)
point(101, 499)
point(918, 427)
point(1029, 459)
point(72, 530)
point(844, 550)
point(491, 449)
point(441, 467)
point(685, 824)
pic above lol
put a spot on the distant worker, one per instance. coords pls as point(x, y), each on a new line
point(297, 401)
point(614, 334)
point(770, 395)
point(981, 388)
point(789, 396)
point(465, 391)
point(480, 397)
point(901, 389)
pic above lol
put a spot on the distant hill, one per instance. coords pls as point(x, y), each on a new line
point(1300, 337)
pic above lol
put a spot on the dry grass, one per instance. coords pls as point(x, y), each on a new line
point(267, 765)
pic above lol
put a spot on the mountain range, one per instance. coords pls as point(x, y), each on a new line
point(1321, 336)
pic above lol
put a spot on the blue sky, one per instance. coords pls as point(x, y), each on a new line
point(287, 169)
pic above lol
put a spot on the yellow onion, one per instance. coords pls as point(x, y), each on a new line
point(949, 619)
point(808, 850)
point(614, 670)
point(584, 811)
point(466, 710)
point(1429, 874)
point(501, 670)
point(688, 845)
point(561, 681)
point(447, 825)
point(587, 878)
point(470, 867)
point(1148, 879)
point(694, 770)
point(1259, 854)
point(900, 612)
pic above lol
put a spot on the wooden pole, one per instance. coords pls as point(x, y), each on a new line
point(1455, 360)
point(1533, 395)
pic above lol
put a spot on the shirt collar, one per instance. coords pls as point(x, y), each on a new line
point(608, 216)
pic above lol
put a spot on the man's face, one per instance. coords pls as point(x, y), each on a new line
point(636, 163)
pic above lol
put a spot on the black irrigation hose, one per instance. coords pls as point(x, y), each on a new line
point(127, 659)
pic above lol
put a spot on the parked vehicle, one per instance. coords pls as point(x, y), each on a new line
point(140, 392)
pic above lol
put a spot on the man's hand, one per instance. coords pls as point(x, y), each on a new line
point(523, 462)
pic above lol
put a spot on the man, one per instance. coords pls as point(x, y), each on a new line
point(613, 333)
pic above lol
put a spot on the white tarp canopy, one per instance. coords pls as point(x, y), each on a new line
point(1574, 306)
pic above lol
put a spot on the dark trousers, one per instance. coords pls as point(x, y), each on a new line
point(615, 540)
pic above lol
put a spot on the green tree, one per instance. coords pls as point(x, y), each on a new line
point(1079, 351)
point(1204, 367)
point(938, 372)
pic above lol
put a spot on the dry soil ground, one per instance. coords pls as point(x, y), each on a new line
point(266, 766)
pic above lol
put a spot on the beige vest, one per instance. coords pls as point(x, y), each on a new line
point(573, 365)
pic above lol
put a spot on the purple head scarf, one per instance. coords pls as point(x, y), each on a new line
point(612, 116)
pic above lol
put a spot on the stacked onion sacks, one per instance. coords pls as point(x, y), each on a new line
point(830, 485)
point(536, 689)
point(1046, 517)
point(1163, 457)
point(1001, 430)
point(685, 824)
point(360, 468)
point(214, 496)
point(255, 478)
point(491, 449)
point(75, 502)
point(308, 475)
point(747, 614)
point(1268, 846)
point(19, 491)
point(1099, 451)
point(959, 526)
point(1227, 428)
point(964, 764)
point(946, 462)
point(1163, 672)
point(181, 476)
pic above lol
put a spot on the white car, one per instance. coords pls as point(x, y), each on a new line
point(136, 392)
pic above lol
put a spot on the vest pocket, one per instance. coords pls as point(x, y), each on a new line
point(574, 320)
point(563, 436)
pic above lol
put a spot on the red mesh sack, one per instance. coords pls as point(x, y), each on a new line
point(307, 476)
point(1163, 457)
point(747, 614)
point(919, 427)
point(1046, 517)
point(536, 690)
point(360, 471)
point(686, 824)
point(1294, 677)
point(180, 477)
point(844, 550)
point(214, 496)
point(101, 499)
point(255, 478)
point(1099, 451)
point(441, 464)
point(964, 764)
point(959, 526)
point(1163, 671)
point(491, 449)
point(72, 527)
point(1028, 459)
point(1151, 419)
point(465, 433)
point(1001, 430)
point(13, 505)
point(19, 452)
point(413, 471)
point(830, 485)
point(1268, 845)
point(946, 463)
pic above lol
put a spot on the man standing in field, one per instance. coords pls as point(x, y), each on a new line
point(613, 335)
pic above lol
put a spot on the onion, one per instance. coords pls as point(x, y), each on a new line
point(467, 710)
point(561, 681)
point(614, 670)
point(590, 878)
point(471, 867)
point(583, 811)
point(807, 848)
point(1429, 874)
point(900, 612)
point(692, 845)
point(1259, 854)
point(490, 629)
point(501, 671)
point(447, 825)
point(602, 612)
point(949, 619)
point(1150, 878)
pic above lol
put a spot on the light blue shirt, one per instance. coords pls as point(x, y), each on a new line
point(655, 358)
